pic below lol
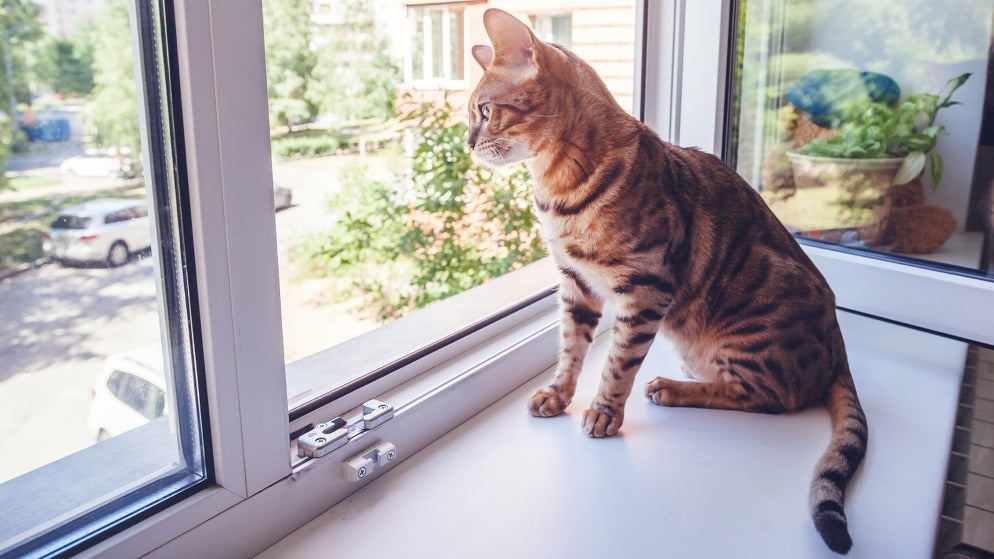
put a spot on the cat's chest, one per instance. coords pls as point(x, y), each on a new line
point(578, 247)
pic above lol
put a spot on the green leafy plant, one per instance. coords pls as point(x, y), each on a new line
point(875, 130)
point(446, 226)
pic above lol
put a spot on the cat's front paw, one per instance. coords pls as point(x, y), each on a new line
point(547, 402)
point(601, 421)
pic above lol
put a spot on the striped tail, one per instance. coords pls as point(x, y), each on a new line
point(838, 463)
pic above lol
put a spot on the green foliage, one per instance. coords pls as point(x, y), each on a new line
point(66, 67)
point(290, 62)
point(19, 30)
point(114, 110)
point(876, 130)
point(20, 246)
point(355, 77)
point(6, 143)
point(306, 146)
point(454, 225)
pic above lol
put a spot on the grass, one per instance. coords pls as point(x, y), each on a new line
point(28, 182)
point(22, 223)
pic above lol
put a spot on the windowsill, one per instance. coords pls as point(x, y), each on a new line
point(504, 484)
point(964, 249)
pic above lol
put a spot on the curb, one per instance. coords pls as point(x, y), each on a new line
point(24, 268)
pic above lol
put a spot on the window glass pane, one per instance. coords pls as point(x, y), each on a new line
point(870, 124)
point(457, 48)
point(389, 212)
point(97, 384)
point(555, 29)
point(437, 44)
point(416, 47)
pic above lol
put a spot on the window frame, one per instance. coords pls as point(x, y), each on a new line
point(443, 80)
point(224, 106)
point(222, 79)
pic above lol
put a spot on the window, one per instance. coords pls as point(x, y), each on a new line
point(141, 395)
point(554, 28)
point(89, 448)
point(865, 134)
point(238, 244)
point(435, 50)
point(70, 222)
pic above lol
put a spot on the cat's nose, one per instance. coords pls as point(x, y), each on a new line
point(473, 135)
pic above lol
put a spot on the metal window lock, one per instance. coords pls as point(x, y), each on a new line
point(323, 438)
point(326, 437)
point(374, 413)
point(361, 465)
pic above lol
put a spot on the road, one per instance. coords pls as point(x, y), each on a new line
point(60, 324)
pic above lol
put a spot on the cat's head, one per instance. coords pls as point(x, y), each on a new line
point(529, 94)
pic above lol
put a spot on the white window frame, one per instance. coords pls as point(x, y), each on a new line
point(258, 495)
point(444, 80)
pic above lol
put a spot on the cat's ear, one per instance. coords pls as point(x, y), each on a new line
point(512, 40)
point(483, 54)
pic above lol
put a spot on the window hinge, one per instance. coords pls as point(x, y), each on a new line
point(328, 436)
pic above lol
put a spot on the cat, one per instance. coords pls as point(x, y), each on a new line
point(680, 244)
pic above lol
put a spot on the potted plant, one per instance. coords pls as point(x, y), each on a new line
point(876, 145)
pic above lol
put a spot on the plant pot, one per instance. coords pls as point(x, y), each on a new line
point(838, 195)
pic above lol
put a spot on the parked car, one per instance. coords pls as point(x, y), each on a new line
point(103, 230)
point(98, 165)
point(129, 392)
point(283, 197)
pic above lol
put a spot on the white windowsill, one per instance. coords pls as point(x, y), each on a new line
point(678, 482)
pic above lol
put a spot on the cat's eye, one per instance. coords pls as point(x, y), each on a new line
point(485, 110)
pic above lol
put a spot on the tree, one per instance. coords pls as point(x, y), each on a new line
point(357, 78)
point(19, 28)
point(114, 111)
point(65, 66)
point(290, 62)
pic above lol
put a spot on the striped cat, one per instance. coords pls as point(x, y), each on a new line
point(678, 243)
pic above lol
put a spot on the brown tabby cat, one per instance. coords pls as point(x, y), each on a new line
point(679, 243)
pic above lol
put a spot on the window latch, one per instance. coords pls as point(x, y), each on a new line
point(323, 438)
point(374, 413)
point(328, 436)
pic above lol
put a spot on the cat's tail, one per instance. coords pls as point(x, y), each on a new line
point(838, 463)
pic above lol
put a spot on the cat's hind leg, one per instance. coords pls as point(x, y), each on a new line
point(729, 391)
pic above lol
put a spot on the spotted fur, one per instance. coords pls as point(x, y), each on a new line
point(680, 244)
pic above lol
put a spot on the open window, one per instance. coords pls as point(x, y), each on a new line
point(248, 169)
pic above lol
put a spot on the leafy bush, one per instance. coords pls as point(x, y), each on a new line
point(875, 130)
point(450, 227)
point(306, 146)
point(20, 246)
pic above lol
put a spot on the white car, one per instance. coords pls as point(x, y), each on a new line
point(104, 230)
point(130, 392)
point(97, 166)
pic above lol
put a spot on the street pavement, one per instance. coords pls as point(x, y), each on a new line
point(58, 326)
